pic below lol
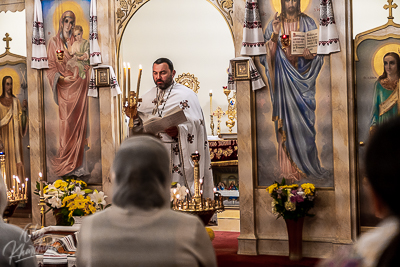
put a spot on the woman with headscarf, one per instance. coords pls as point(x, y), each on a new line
point(140, 229)
point(15, 245)
point(70, 94)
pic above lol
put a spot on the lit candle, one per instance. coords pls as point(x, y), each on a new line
point(13, 182)
point(211, 109)
point(129, 78)
point(18, 188)
point(23, 191)
point(138, 82)
point(124, 87)
point(41, 184)
point(26, 186)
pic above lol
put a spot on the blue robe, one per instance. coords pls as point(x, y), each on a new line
point(293, 99)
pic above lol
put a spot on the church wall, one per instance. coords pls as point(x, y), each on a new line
point(334, 224)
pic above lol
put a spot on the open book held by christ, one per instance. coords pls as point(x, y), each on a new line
point(303, 40)
point(154, 124)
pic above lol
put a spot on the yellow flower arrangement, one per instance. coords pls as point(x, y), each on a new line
point(291, 201)
point(69, 197)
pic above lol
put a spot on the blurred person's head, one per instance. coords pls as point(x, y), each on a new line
point(383, 168)
point(141, 174)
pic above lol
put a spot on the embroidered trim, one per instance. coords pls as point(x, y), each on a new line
point(184, 104)
point(190, 138)
point(258, 44)
point(38, 59)
point(330, 41)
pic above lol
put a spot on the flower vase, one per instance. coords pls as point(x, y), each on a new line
point(60, 218)
point(295, 236)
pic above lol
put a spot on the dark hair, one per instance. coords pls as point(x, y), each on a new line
point(142, 174)
point(382, 163)
point(4, 85)
point(283, 8)
point(397, 58)
point(165, 60)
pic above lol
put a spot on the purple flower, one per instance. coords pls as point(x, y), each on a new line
point(296, 198)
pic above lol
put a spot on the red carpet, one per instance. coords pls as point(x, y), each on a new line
point(226, 245)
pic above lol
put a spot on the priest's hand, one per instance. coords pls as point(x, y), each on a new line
point(172, 131)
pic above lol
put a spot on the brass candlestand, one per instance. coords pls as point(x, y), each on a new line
point(131, 106)
point(231, 112)
point(204, 208)
point(42, 204)
point(212, 124)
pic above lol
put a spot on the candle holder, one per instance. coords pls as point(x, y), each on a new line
point(131, 106)
point(212, 124)
point(231, 112)
point(204, 208)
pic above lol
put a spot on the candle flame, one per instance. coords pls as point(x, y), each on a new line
point(215, 189)
point(26, 179)
point(124, 65)
point(18, 180)
point(23, 185)
point(40, 174)
point(140, 66)
point(177, 196)
point(129, 65)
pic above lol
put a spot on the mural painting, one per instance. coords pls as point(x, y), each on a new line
point(294, 120)
point(14, 137)
point(72, 118)
point(377, 76)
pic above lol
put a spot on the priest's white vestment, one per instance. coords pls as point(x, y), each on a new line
point(192, 135)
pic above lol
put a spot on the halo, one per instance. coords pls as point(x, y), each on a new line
point(377, 59)
point(277, 5)
point(81, 17)
point(15, 76)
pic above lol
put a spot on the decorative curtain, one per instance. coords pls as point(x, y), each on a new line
point(253, 43)
point(95, 55)
point(328, 36)
point(39, 54)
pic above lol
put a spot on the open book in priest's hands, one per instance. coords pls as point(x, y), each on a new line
point(303, 40)
point(154, 124)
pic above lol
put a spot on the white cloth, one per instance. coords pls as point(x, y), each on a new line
point(192, 136)
point(39, 54)
point(95, 54)
point(115, 89)
point(134, 237)
point(255, 77)
point(328, 36)
point(253, 43)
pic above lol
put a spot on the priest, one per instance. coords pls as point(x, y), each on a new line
point(187, 137)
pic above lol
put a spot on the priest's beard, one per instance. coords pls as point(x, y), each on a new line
point(164, 84)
